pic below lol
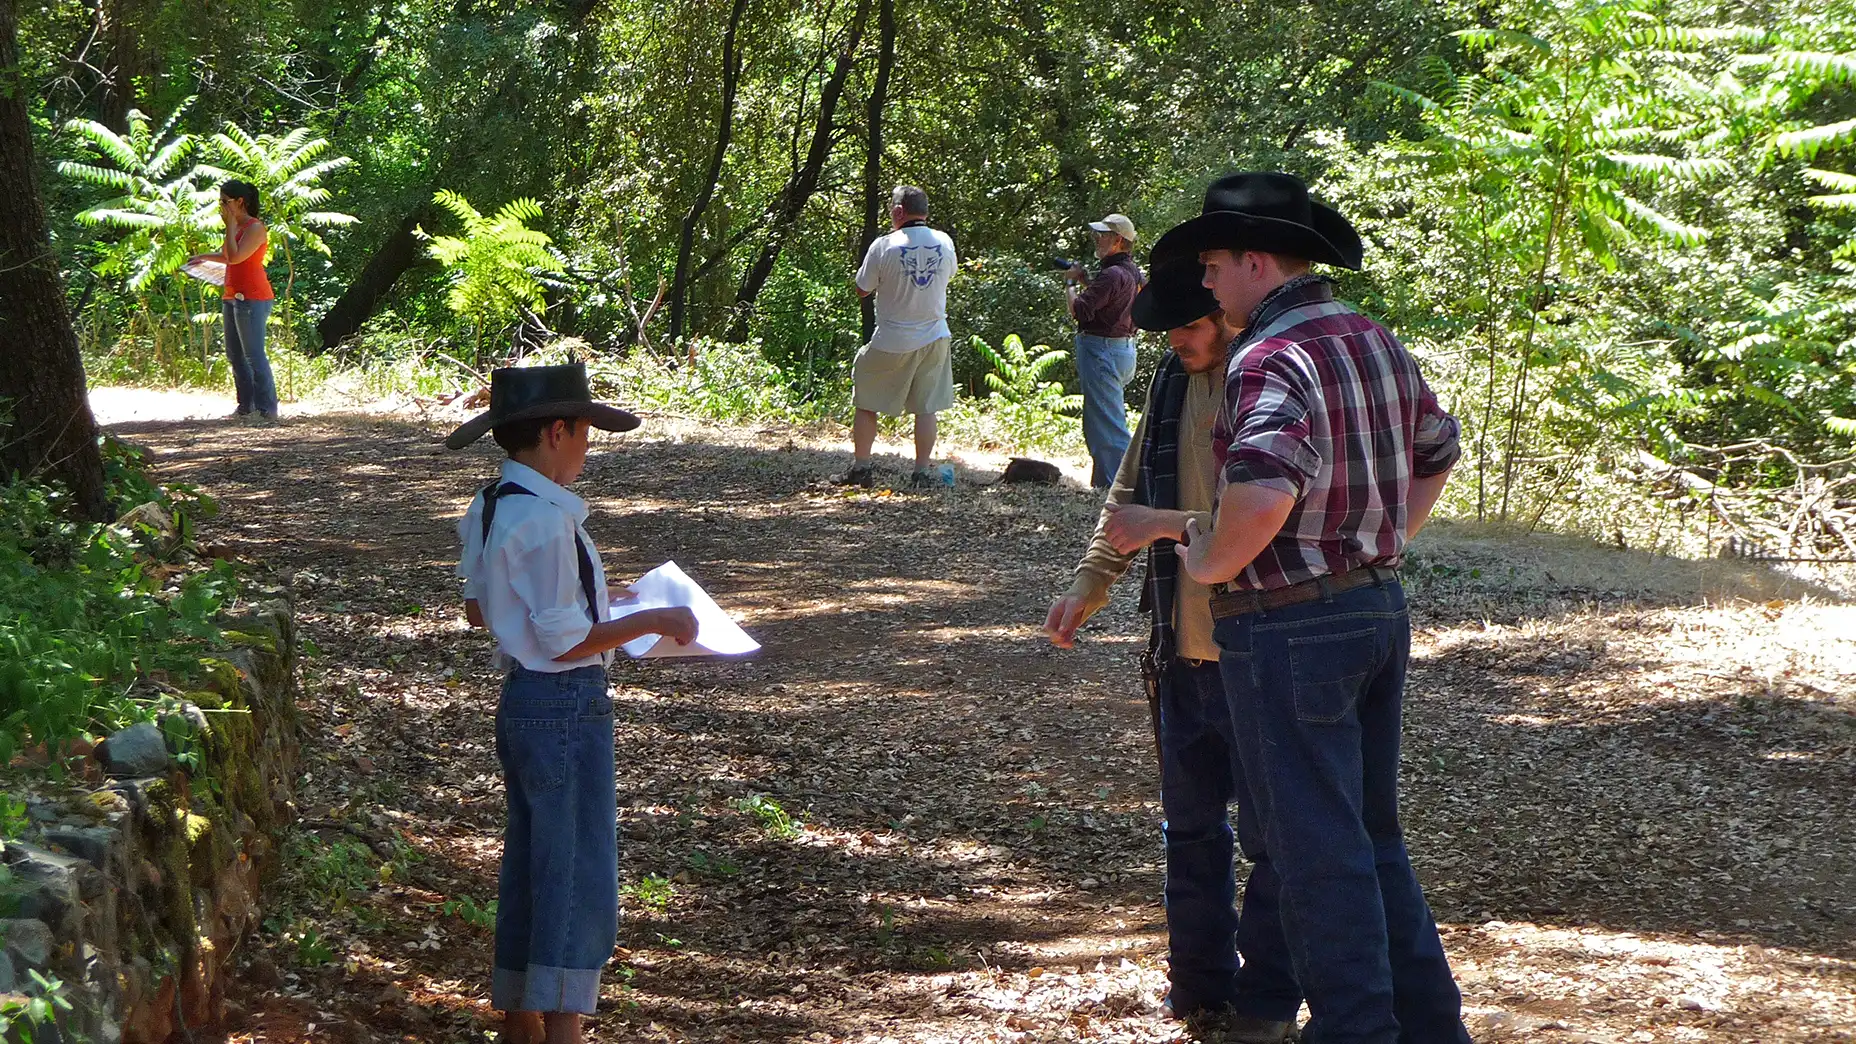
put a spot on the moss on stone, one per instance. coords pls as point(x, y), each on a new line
point(252, 639)
point(221, 676)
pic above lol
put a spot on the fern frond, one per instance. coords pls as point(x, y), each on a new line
point(102, 177)
point(1810, 140)
point(1832, 179)
point(1486, 39)
point(108, 142)
point(1669, 228)
point(457, 205)
point(517, 211)
point(171, 154)
point(1684, 170)
point(313, 172)
point(1821, 65)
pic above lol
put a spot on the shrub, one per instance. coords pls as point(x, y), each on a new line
point(87, 608)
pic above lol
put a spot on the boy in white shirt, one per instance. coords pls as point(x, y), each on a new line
point(533, 577)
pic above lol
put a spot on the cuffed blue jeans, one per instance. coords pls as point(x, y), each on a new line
point(251, 368)
point(1200, 777)
point(1104, 366)
point(1317, 693)
point(557, 914)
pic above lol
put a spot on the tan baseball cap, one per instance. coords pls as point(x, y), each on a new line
point(1116, 223)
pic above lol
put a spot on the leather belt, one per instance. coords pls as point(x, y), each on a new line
point(1226, 604)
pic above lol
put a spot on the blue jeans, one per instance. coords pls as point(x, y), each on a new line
point(1104, 366)
point(1317, 693)
point(1200, 777)
point(557, 914)
point(251, 368)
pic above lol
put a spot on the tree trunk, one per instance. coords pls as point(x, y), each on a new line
point(122, 24)
point(804, 181)
point(724, 130)
point(46, 428)
point(873, 158)
point(400, 252)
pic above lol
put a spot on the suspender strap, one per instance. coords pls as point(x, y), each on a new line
point(499, 489)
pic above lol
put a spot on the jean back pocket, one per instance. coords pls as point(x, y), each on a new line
point(1330, 671)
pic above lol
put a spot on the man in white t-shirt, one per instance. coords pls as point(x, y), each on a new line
point(906, 367)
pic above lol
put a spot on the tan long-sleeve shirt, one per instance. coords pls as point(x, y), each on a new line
point(1102, 565)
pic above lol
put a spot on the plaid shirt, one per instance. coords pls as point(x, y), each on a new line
point(1327, 406)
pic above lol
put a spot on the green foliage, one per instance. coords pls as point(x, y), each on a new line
point(1565, 240)
point(287, 170)
point(774, 820)
point(718, 380)
point(651, 891)
point(24, 1017)
point(159, 201)
point(1030, 412)
point(85, 608)
point(326, 875)
point(712, 865)
point(496, 264)
point(466, 909)
point(13, 817)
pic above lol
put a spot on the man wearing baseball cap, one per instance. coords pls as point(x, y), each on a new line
point(1332, 452)
point(1105, 341)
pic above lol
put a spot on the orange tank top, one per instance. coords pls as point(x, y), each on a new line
point(247, 279)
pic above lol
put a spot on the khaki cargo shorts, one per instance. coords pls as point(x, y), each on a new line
point(921, 381)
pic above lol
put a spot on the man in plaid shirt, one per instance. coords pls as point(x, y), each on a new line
point(1332, 453)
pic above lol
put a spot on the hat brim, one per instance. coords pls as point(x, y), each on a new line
point(1330, 239)
point(604, 417)
point(1161, 311)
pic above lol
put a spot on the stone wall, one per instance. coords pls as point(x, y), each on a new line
point(136, 893)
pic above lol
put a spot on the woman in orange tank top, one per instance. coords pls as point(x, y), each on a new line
point(246, 302)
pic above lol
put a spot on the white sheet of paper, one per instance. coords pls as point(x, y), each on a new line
point(213, 272)
point(717, 634)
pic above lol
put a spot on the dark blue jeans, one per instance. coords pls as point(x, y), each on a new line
point(1200, 777)
point(557, 914)
point(1317, 694)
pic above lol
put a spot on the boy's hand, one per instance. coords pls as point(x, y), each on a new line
point(677, 623)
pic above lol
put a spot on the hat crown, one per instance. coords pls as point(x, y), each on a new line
point(516, 388)
point(1270, 194)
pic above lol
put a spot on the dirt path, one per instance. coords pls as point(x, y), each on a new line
point(909, 819)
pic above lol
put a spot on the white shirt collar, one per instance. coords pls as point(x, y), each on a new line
point(545, 488)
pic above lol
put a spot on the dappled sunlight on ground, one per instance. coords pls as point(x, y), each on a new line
point(909, 819)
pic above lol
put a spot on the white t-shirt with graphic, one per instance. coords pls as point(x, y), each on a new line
point(908, 270)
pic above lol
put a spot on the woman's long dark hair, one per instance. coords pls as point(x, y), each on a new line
point(244, 190)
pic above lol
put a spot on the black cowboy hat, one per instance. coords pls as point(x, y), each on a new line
point(519, 393)
point(1175, 296)
point(1268, 211)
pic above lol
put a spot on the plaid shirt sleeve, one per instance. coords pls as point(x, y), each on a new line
point(1267, 413)
point(1435, 446)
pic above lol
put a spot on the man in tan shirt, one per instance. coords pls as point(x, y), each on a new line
point(1167, 478)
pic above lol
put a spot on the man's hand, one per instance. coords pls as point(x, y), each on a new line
point(1194, 550)
point(1249, 517)
point(1065, 616)
point(676, 623)
point(1076, 273)
point(1130, 527)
